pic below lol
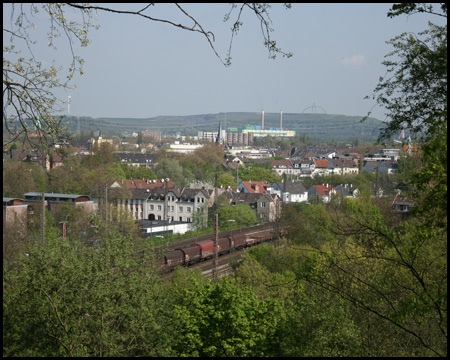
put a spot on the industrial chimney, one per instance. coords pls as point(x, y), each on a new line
point(281, 119)
point(262, 115)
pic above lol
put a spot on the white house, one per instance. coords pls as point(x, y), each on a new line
point(290, 191)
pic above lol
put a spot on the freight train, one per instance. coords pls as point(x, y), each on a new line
point(203, 250)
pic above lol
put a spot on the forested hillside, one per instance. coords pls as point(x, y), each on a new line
point(321, 127)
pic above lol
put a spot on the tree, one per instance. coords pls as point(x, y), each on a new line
point(226, 180)
point(391, 273)
point(68, 299)
point(220, 319)
point(18, 178)
point(29, 102)
point(243, 215)
point(258, 173)
point(415, 97)
point(171, 168)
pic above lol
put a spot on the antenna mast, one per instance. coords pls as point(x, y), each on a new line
point(68, 106)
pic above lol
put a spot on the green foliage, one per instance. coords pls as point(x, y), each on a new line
point(67, 299)
point(315, 323)
point(171, 168)
point(18, 178)
point(125, 171)
point(220, 319)
point(257, 173)
point(226, 180)
point(242, 214)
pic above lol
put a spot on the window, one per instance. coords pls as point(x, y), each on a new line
point(151, 207)
point(188, 209)
point(159, 207)
point(263, 204)
point(159, 217)
point(180, 209)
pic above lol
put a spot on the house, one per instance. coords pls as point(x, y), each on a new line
point(267, 206)
point(301, 153)
point(290, 191)
point(250, 187)
point(55, 161)
point(345, 166)
point(137, 159)
point(402, 203)
point(323, 167)
point(281, 166)
point(303, 167)
point(14, 212)
point(143, 184)
point(92, 142)
point(34, 156)
point(388, 167)
point(347, 190)
point(54, 201)
point(390, 153)
point(171, 205)
point(321, 192)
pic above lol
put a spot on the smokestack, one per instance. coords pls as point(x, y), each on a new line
point(281, 119)
point(262, 115)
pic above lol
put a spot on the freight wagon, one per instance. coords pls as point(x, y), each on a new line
point(202, 250)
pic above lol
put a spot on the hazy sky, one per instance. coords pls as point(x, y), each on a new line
point(138, 68)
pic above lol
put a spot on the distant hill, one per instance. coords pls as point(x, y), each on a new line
point(322, 127)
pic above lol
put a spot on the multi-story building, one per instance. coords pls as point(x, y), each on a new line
point(239, 138)
point(156, 135)
point(171, 205)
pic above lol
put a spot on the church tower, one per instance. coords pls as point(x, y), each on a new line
point(220, 137)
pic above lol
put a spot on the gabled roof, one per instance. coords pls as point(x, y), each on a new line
point(34, 195)
point(324, 190)
point(280, 163)
point(144, 183)
point(292, 187)
point(256, 186)
point(321, 163)
point(136, 158)
point(247, 198)
point(344, 163)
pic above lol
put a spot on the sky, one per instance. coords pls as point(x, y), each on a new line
point(139, 68)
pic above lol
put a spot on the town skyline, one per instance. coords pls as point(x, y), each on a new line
point(143, 69)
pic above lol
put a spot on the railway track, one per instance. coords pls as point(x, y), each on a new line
point(184, 242)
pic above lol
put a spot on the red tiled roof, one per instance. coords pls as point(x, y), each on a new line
point(144, 184)
point(324, 190)
point(321, 163)
point(256, 186)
